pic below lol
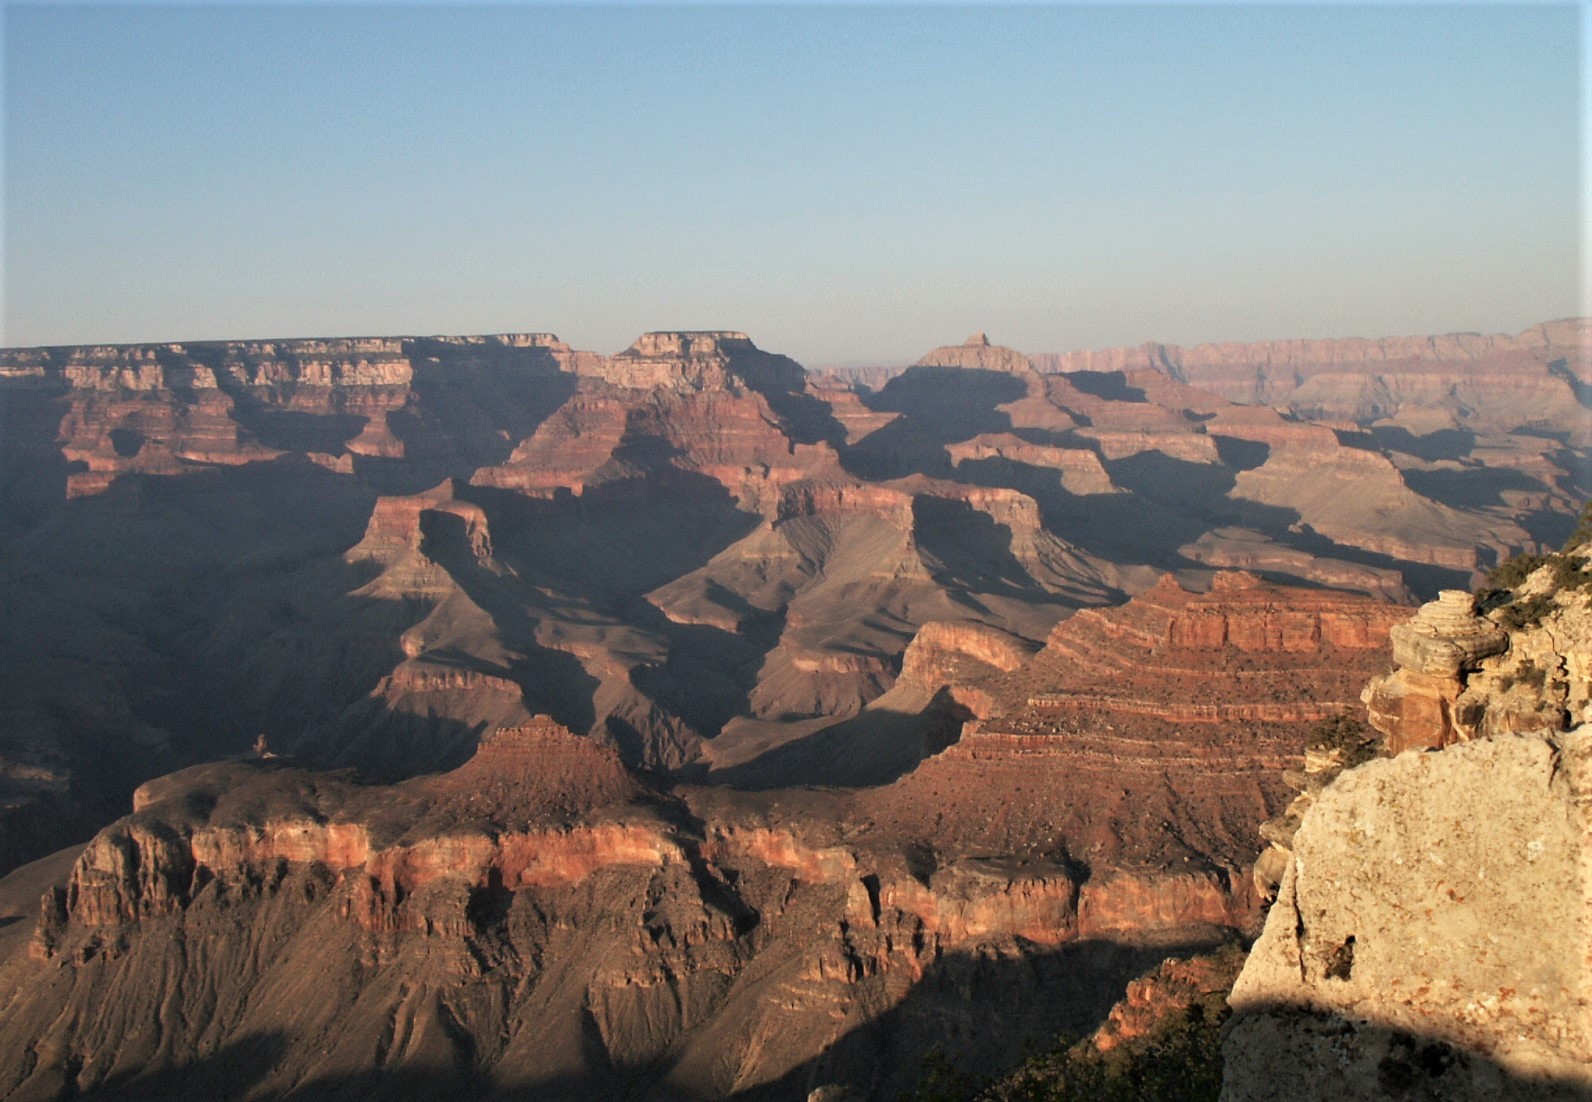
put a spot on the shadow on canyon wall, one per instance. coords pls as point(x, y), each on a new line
point(32, 468)
point(982, 1012)
point(938, 406)
point(874, 747)
point(880, 1060)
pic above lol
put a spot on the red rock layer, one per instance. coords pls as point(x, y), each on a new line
point(727, 946)
point(1150, 736)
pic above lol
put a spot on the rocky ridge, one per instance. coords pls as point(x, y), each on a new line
point(1531, 376)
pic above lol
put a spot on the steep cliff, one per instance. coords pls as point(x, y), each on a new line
point(1430, 935)
point(1149, 737)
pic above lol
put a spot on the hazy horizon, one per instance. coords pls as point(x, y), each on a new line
point(848, 185)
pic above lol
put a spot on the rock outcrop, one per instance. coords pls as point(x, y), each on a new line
point(1413, 706)
point(1429, 938)
point(1520, 669)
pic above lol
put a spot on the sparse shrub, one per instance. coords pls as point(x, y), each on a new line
point(1498, 590)
point(1528, 674)
point(942, 1081)
point(1180, 1060)
point(1511, 572)
point(1345, 733)
point(1570, 574)
point(1583, 530)
point(1524, 613)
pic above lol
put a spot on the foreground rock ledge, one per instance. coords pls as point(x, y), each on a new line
point(1431, 937)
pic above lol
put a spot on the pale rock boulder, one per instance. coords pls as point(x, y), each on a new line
point(1432, 935)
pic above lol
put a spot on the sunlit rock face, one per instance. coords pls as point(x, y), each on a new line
point(1489, 380)
point(1413, 706)
point(978, 354)
point(697, 360)
point(1430, 932)
point(1429, 937)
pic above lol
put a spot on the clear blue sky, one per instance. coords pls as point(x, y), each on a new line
point(845, 183)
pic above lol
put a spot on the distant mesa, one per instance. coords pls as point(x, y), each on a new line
point(709, 359)
point(978, 354)
point(1535, 380)
point(684, 344)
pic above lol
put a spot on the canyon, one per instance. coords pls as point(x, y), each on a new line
point(549, 920)
point(372, 551)
point(679, 724)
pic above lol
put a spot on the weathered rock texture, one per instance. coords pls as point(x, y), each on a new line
point(1430, 939)
point(1461, 676)
point(1413, 706)
point(1431, 934)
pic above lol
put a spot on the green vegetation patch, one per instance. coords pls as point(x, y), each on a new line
point(1583, 530)
point(1570, 572)
point(1525, 612)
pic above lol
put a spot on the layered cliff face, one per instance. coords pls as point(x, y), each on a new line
point(1149, 737)
point(539, 920)
point(374, 550)
point(1429, 939)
